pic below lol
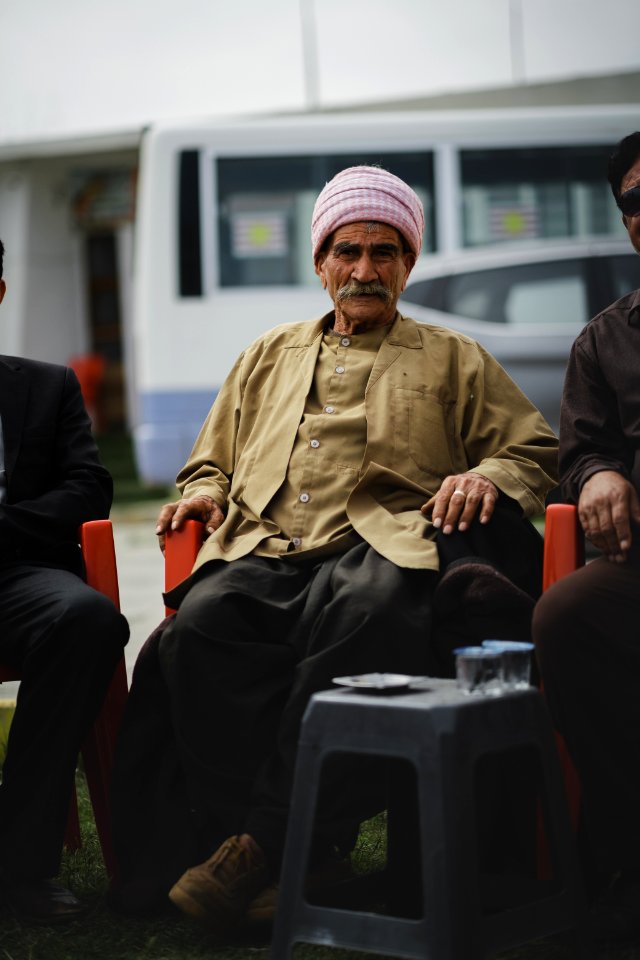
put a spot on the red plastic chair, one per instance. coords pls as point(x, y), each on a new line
point(96, 542)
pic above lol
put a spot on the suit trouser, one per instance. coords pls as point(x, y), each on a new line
point(66, 639)
point(587, 633)
point(252, 641)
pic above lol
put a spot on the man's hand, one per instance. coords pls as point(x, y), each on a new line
point(195, 508)
point(458, 500)
point(607, 505)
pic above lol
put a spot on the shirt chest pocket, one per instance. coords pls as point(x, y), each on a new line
point(423, 432)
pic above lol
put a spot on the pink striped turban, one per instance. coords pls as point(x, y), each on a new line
point(367, 193)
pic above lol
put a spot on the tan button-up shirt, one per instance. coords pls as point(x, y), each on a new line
point(436, 403)
point(310, 508)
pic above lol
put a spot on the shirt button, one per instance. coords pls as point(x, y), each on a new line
point(345, 341)
point(314, 443)
point(304, 498)
point(296, 541)
point(329, 409)
point(339, 369)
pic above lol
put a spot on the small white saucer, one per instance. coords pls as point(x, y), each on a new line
point(376, 681)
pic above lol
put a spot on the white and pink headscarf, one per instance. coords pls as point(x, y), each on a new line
point(367, 193)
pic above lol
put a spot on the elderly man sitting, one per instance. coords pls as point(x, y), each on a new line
point(335, 456)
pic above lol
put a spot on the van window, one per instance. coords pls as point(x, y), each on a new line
point(189, 241)
point(525, 193)
point(265, 206)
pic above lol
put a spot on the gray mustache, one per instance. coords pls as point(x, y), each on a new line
point(356, 289)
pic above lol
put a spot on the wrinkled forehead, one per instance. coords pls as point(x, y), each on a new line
point(365, 232)
point(367, 228)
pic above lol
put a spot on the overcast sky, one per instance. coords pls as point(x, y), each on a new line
point(82, 66)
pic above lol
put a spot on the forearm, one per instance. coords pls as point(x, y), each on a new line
point(58, 514)
point(591, 438)
point(206, 487)
point(525, 480)
point(508, 441)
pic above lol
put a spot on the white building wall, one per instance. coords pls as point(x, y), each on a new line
point(124, 248)
point(15, 189)
point(45, 313)
point(42, 314)
point(55, 327)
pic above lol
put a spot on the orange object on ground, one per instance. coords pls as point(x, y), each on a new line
point(89, 368)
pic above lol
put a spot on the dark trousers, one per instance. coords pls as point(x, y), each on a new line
point(66, 640)
point(207, 746)
point(252, 641)
point(587, 633)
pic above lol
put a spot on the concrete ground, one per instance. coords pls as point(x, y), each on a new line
point(140, 577)
point(140, 572)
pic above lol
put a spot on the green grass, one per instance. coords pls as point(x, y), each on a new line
point(103, 935)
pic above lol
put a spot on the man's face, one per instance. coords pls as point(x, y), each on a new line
point(632, 179)
point(364, 270)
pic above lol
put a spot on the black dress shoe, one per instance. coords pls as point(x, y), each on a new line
point(39, 901)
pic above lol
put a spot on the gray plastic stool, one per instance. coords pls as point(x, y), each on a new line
point(443, 734)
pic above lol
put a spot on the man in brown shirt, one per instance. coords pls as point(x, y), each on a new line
point(336, 456)
point(586, 626)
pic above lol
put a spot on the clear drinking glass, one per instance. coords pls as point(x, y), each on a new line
point(516, 662)
point(478, 671)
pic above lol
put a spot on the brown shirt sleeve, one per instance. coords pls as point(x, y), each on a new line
point(592, 436)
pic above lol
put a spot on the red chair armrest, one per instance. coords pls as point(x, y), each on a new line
point(181, 550)
point(563, 553)
point(563, 543)
point(98, 551)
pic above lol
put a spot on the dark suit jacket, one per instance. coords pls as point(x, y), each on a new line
point(55, 481)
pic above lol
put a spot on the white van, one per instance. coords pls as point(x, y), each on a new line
point(222, 249)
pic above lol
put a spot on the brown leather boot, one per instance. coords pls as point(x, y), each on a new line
point(218, 891)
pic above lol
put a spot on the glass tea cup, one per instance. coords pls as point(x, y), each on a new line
point(516, 662)
point(478, 671)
